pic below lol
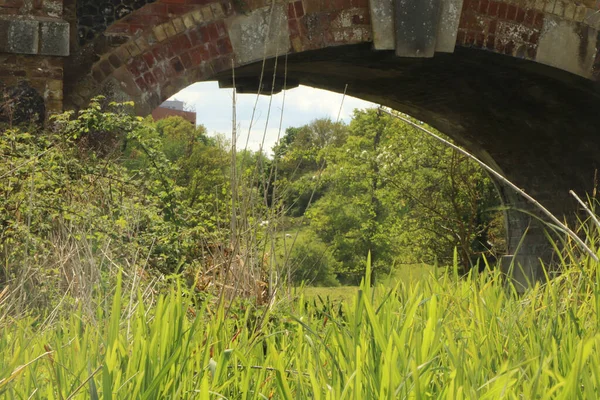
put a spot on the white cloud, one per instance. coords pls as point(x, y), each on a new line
point(302, 105)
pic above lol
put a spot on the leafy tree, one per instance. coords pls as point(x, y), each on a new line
point(449, 201)
point(351, 215)
point(402, 196)
point(300, 157)
point(313, 263)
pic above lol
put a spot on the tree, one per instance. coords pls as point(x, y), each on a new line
point(300, 157)
point(401, 196)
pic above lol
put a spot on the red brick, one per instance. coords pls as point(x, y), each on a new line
point(159, 75)
point(483, 6)
point(469, 21)
point(469, 38)
point(153, 9)
point(493, 26)
point(149, 79)
point(294, 28)
point(213, 32)
point(161, 52)
point(224, 46)
point(490, 42)
point(520, 15)
point(186, 60)
point(177, 66)
point(538, 23)
point(212, 49)
point(479, 40)
point(197, 55)
point(299, 9)
point(137, 66)
point(291, 11)
point(141, 83)
point(534, 38)
point(529, 17)
point(149, 58)
point(360, 20)
point(198, 36)
point(512, 12)
point(493, 8)
point(502, 7)
point(358, 3)
point(460, 37)
point(179, 9)
point(180, 44)
point(221, 29)
point(336, 4)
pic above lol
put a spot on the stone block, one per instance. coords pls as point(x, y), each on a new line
point(382, 19)
point(48, 37)
point(159, 32)
point(416, 27)
point(261, 33)
point(19, 36)
point(450, 13)
point(54, 40)
point(567, 45)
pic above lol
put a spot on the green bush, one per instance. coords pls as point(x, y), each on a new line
point(313, 263)
point(74, 208)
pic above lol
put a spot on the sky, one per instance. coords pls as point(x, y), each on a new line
point(213, 107)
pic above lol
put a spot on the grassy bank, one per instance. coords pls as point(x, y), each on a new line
point(444, 337)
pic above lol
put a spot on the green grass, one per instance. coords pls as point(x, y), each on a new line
point(336, 294)
point(408, 274)
point(445, 337)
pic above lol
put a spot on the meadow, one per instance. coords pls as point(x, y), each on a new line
point(445, 337)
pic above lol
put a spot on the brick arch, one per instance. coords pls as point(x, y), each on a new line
point(514, 82)
point(173, 43)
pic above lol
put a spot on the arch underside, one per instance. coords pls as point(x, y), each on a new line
point(514, 114)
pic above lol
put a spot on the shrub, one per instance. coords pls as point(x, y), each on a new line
point(312, 262)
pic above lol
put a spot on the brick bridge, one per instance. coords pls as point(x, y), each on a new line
point(513, 81)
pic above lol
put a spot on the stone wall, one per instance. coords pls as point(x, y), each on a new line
point(34, 39)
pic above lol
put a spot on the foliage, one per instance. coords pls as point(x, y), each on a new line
point(444, 338)
point(313, 263)
point(96, 187)
point(299, 157)
point(383, 187)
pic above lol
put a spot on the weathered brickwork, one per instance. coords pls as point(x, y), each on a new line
point(185, 41)
point(94, 17)
point(38, 8)
point(315, 24)
point(163, 11)
point(504, 28)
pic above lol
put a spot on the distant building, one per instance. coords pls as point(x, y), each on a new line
point(173, 108)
